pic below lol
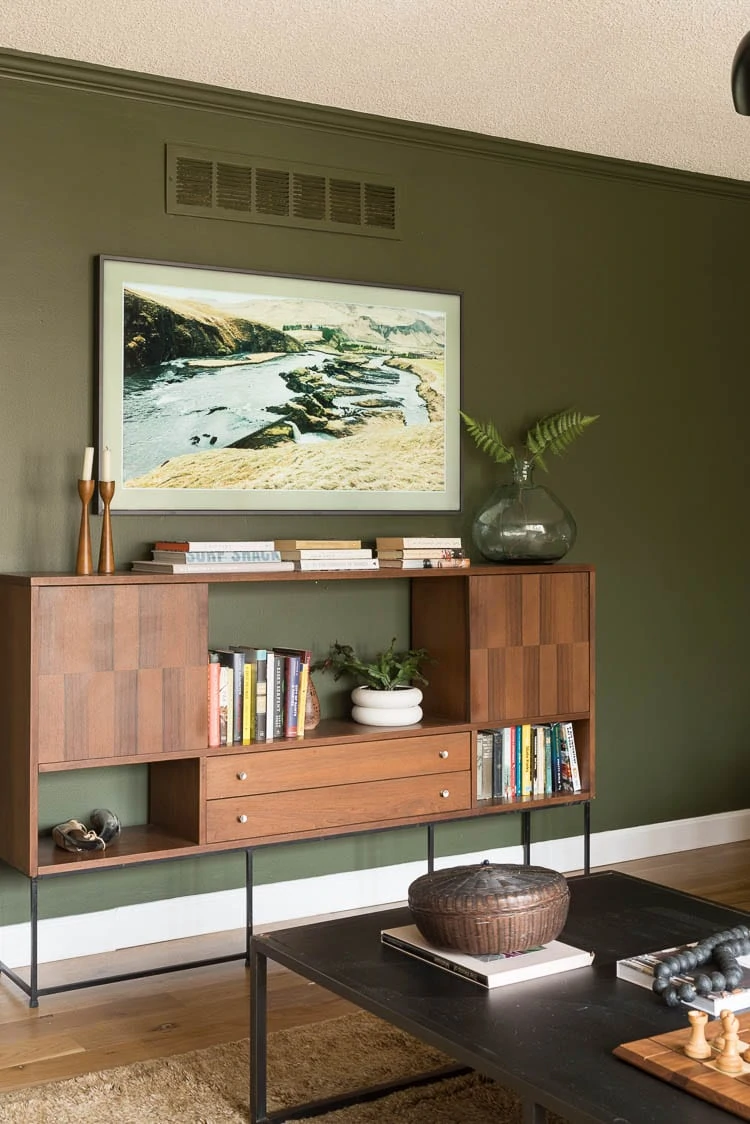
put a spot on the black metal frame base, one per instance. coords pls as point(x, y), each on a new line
point(31, 987)
point(259, 1112)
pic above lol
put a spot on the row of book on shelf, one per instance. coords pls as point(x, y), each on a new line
point(256, 694)
point(535, 760)
point(273, 555)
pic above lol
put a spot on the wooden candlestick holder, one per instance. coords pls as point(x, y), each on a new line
point(106, 550)
point(84, 564)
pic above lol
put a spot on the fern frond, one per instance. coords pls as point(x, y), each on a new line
point(555, 433)
point(486, 438)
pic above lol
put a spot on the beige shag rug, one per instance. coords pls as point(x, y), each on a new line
point(211, 1086)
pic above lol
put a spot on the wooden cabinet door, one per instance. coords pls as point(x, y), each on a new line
point(529, 645)
point(121, 671)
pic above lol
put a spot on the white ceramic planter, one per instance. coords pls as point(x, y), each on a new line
point(386, 708)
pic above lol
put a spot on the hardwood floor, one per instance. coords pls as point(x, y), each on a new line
point(101, 1027)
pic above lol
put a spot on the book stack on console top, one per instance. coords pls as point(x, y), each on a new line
point(426, 552)
point(326, 554)
point(256, 694)
point(531, 760)
point(200, 556)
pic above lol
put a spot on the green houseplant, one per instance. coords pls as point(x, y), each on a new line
point(524, 521)
point(385, 694)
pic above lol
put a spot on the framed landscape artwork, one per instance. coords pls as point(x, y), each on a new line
point(224, 390)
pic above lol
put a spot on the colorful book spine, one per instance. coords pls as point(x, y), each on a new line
point(548, 760)
point(293, 664)
point(226, 731)
point(236, 661)
point(526, 780)
point(570, 742)
point(248, 702)
point(279, 693)
point(270, 692)
point(497, 762)
point(509, 778)
point(214, 676)
point(304, 685)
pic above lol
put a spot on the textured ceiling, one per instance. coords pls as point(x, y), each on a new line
point(644, 80)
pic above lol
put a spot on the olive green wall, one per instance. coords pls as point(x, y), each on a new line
point(618, 289)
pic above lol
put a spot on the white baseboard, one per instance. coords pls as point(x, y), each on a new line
point(87, 934)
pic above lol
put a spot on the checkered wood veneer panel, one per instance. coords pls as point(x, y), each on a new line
point(135, 671)
point(530, 646)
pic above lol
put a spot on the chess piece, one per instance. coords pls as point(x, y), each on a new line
point(729, 1060)
point(697, 1047)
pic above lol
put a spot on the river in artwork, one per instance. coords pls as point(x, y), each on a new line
point(183, 406)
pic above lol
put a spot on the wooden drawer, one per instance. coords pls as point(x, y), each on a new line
point(343, 805)
point(286, 768)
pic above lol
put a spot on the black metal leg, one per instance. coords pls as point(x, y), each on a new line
point(34, 968)
point(526, 836)
point(430, 847)
point(587, 837)
point(258, 1034)
point(248, 901)
point(533, 1113)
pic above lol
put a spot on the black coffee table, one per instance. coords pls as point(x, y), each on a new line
point(549, 1040)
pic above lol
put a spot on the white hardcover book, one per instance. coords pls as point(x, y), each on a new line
point(214, 544)
point(154, 567)
point(218, 556)
point(327, 553)
point(310, 564)
point(639, 970)
point(496, 970)
point(438, 542)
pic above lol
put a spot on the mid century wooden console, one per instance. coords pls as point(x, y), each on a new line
point(111, 670)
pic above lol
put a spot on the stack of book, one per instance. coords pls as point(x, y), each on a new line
point(641, 969)
point(494, 970)
point(256, 694)
point(187, 556)
point(528, 760)
point(326, 554)
point(424, 552)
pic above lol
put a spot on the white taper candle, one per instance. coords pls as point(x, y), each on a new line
point(106, 465)
point(88, 462)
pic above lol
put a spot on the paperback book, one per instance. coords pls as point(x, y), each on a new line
point(214, 544)
point(495, 970)
point(326, 552)
point(334, 564)
point(154, 567)
point(439, 542)
point(425, 563)
point(317, 544)
point(221, 556)
point(639, 970)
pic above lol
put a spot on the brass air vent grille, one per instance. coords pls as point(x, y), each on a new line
point(225, 185)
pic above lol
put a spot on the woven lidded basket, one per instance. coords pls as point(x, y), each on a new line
point(490, 907)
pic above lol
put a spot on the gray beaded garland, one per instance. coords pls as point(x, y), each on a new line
point(722, 972)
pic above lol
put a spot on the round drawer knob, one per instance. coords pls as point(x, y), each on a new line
point(242, 819)
point(242, 776)
point(445, 792)
point(443, 753)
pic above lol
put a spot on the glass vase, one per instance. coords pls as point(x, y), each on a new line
point(523, 521)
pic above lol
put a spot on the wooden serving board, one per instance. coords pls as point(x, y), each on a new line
point(663, 1057)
